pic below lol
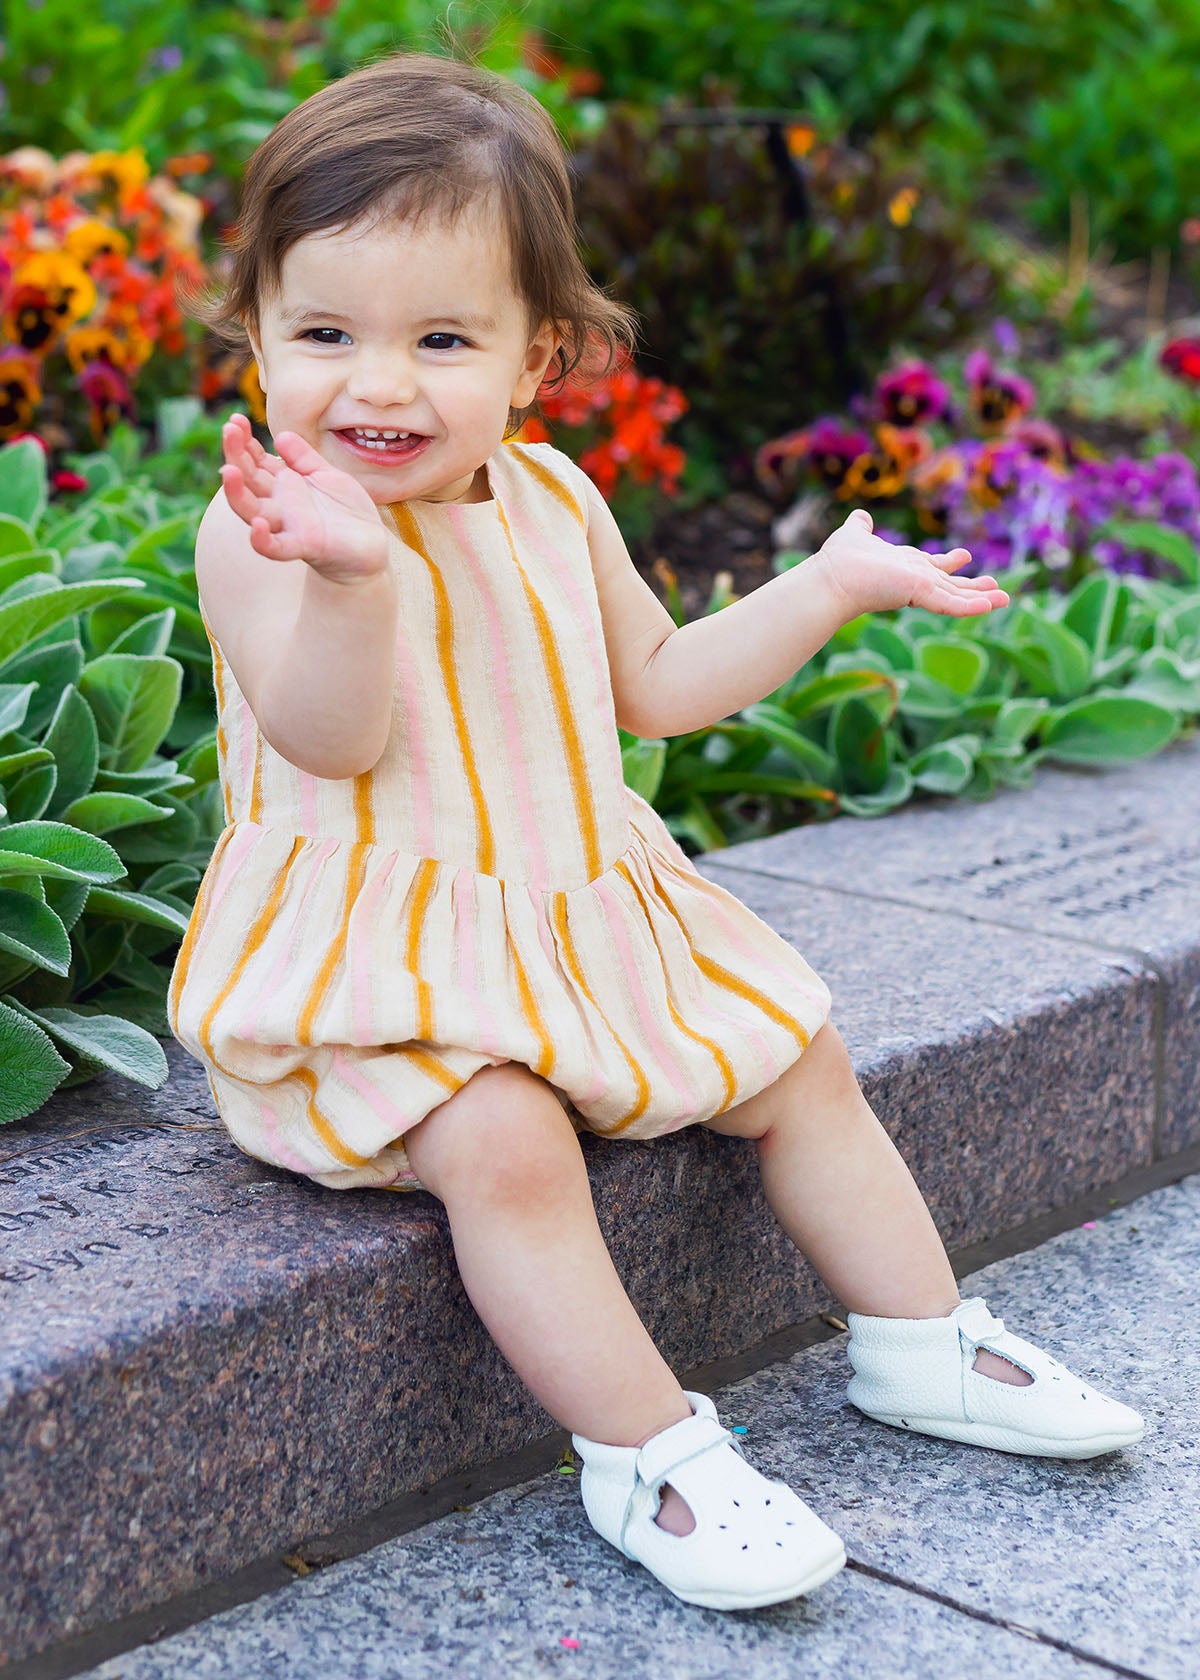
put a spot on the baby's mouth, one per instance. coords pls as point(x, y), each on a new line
point(386, 446)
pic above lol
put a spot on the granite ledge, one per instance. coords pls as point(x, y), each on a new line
point(206, 1358)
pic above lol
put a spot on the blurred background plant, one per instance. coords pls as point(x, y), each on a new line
point(936, 259)
point(965, 461)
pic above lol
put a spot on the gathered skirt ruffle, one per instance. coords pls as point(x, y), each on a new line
point(364, 985)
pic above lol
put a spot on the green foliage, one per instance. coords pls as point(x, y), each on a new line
point(109, 802)
point(176, 78)
point(906, 705)
point(740, 305)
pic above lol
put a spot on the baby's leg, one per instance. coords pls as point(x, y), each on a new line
point(841, 1190)
point(505, 1160)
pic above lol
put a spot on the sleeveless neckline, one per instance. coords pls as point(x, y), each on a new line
point(491, 505)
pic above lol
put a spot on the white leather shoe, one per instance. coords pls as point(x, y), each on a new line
point(755, 1540)
point(917, 1373)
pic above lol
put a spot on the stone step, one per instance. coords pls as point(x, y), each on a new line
point(961, 1561)
point(205, 1359)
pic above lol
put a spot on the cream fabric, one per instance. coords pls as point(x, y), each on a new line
point(491, 891)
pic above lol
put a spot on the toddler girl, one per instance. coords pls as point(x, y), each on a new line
point(438, 935)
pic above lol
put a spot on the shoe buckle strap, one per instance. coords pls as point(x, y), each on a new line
point(654, 1467)
point(976, 1324)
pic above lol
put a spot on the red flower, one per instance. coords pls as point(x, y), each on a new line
point(1182, 358)
point(65, 480)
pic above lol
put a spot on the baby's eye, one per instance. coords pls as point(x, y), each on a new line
point(456, 337)
point(309, 331)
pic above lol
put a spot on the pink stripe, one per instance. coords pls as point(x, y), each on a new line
point(534, 849)
point(308, 803)
point(585, 607)
point(384, 1111)
point(364, 1029)
point(239, 845)
point(418, 786)
point(646, 1011)
point(248, 1025)
point(466, 921)
point(249, 730)
point(283, 1154)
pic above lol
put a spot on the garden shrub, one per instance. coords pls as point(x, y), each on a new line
point(741, 301)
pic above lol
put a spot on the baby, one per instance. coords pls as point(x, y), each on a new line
point(439, 936)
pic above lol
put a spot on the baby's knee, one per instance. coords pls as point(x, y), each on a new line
point(502, 1137)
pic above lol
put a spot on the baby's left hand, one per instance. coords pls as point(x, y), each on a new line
point(869, 575)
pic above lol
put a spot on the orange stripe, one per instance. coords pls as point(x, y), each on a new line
point(529, 1008)
point(320, 1123)
point(559, 911)
point(336, 949)
point(718, 1055)
point(195, 921)
point(410, 533)
point(426, 876)
point(222, 738)
point(549, 482)
point(576, 760)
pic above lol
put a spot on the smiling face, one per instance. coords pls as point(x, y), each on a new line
point(410, 329)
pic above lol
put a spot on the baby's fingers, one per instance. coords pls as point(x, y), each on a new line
point(950, 562)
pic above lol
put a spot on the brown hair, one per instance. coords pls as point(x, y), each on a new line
point(404, 136)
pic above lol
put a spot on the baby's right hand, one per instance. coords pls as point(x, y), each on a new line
point(298, 507)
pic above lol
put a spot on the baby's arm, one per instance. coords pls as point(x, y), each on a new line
point(314, 654)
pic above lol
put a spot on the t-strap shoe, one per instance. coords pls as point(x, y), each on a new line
point(755, 1540)
point(918, 1373)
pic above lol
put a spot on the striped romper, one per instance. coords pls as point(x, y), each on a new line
point(491, 891)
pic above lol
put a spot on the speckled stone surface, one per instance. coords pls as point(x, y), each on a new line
point(205, 1358)
point(1100, 1556)
point(1110, 857)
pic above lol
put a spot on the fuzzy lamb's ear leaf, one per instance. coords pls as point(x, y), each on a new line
point(30, 1067)
point(23, 481)
point(103, 1041)
point(1106, 729)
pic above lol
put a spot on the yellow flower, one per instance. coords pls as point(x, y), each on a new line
point(800, 137)
point(86, 238)
point(901, 206)
point(253, 392)
point(127, 170)
point(89, 344)
point(62, 279)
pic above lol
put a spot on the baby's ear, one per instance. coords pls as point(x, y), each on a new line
point(538, 356)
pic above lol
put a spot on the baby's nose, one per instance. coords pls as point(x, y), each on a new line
point(382, 383)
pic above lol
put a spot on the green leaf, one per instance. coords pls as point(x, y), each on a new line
point(140, 907)
point(859, 742)
point(28, 796)
point(103, 1041)
point(40, 562)
point(1091, 611)
point(23, 481)
point(32, 931)
point(1105, 729)
point(958, 665)
point(946, 766)
point(1017, 719)
point(73, 740)
point(30, 1067)
point(52, 848)
point(827, 691)
point(100, 813)
point(14, 704)
point(1171, 545)
point(22, 620)
point(134, 697)
point(15, 536)
point(895, 791)
point(642, 763)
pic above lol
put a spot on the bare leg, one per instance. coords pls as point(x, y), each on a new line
point(504, 1159)
point(842, 1191)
